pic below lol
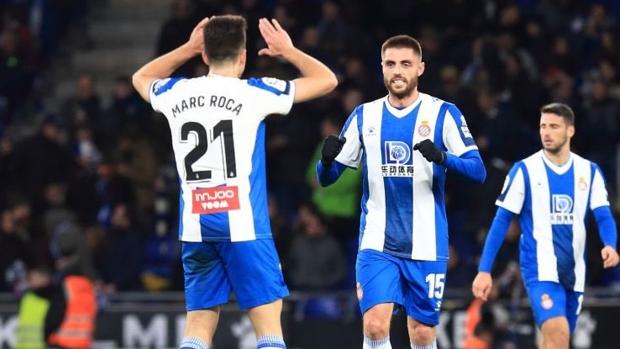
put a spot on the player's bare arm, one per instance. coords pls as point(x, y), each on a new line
point(163, 66)
point(316, 80)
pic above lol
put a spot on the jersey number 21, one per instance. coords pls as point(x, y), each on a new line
point(223, 129)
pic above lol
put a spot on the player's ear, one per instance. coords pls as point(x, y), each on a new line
point(243, 57)
point(571, 131)
point(205, 58)
point(421, 68)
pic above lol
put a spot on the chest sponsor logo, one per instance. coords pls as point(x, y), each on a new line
point(561, 209)
point(212, 200)
point(397, 155)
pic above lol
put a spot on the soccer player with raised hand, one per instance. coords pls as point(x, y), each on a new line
point(218, 135)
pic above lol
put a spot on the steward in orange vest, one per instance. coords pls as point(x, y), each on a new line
point(70, 322)
point(78, 325)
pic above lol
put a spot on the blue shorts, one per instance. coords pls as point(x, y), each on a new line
point(250, 268)
point(550, 299)
point(416, 285)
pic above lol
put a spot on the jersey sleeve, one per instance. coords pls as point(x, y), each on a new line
point(351, 153)
point(456, 135)
point(275, 95)
point(160, 91)
point(513, 191)
point(598, 192)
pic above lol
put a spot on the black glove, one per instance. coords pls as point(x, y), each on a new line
point(430, 152)
point(332, 145)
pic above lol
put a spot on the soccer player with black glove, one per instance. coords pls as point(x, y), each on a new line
point(332, 145)
point(430, 152)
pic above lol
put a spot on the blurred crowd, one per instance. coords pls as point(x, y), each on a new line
point(106, 170)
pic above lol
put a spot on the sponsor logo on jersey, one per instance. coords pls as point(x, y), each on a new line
point(370, 132)
point(277, 84)
point(546, 302)
point(561, 209)
point(424, 130)
point(217, 199)
point(159, 84)
point(397, 155)
point(397, 170)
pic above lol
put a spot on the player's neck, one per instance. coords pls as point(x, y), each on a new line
point(405, 101)
point(560, 158)
point(228, 70)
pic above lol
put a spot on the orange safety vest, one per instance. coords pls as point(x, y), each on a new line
point(78, 325)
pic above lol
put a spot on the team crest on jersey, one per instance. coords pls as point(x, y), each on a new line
point(546, 302)
point(561, 209)
point(397, 155)
point(582, 184)
point(424, 129)
point(217, 199)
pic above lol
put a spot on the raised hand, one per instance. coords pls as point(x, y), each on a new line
point(196, 39)
point(277, 39)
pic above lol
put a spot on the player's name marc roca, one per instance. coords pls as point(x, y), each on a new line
point(212, 101)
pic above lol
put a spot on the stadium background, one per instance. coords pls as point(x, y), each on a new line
point(81, 153)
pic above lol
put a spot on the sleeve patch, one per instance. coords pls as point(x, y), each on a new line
point(464, 128)
point(163, 85)
point(273, 85)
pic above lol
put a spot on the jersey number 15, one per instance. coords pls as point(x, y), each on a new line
point(436, 284)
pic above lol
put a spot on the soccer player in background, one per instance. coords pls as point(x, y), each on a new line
point(405, 142)
point(218, 135)
point(551, 191)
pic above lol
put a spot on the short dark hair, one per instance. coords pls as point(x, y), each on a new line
point(224, 37)
point(402, 41)
point(560, 109)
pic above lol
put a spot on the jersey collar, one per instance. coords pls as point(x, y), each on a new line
point(555, 168)
point(399, 113)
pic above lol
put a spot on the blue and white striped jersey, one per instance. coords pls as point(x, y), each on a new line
point(552, 203)
point(218, 138)
point(403, 211)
